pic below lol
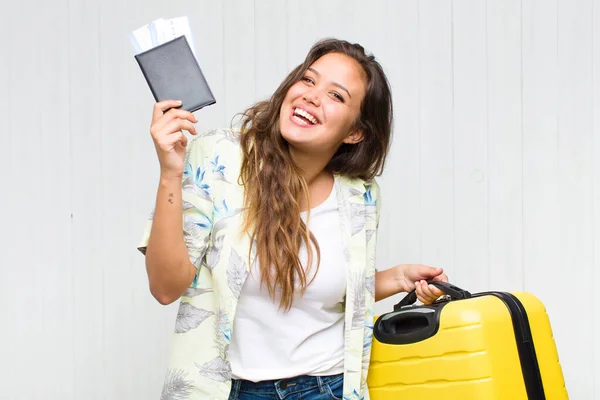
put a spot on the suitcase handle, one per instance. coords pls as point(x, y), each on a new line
point(454, 292)
point(406, 326)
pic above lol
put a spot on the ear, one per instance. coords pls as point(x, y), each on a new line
point(354, 137)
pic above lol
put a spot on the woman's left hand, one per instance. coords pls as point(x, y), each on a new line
point(415, 276)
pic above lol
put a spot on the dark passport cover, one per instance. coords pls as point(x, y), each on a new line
point(173, 73)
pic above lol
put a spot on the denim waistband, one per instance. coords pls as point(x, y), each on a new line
point(283, 387)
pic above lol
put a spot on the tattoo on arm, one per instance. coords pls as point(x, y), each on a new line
point(170, 198)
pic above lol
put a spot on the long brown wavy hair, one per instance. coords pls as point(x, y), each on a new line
point(274, 185)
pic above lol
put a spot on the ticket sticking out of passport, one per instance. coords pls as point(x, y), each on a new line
point(173, 73)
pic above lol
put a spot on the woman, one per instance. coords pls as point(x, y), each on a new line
point(274, 258)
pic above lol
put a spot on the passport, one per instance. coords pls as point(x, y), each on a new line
point(173, 73)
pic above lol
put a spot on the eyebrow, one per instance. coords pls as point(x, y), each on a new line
point(334, 83)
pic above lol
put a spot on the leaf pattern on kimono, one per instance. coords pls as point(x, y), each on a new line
point(225, 134)
point(373, 257)
point(193, 291)
point(222, 329)
point(197, 261)
point(192, 227)
point(211, 132)
point(371, 211)
point(216, 369)
point(353, 396)
point(196, 255)
point(236, 273)
point(196, 224)
point(213, 252)
point(347, 254)
point(358, 301)
point(370, 285)
point(367, 341)
point(228, 135)
point(226, 349)
point(187, 205)
point(355, 192)
point(224, 222)
point(190, 186)
point(190, 317)
point(357, 217)
point(370, 233)
point(193, 230)
point(220, 176)
point(176, 387)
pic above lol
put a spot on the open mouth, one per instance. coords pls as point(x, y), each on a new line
point(304, 117)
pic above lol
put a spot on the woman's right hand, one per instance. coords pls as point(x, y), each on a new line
point(169, 140)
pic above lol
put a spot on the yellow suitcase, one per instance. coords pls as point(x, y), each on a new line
point(482, 346)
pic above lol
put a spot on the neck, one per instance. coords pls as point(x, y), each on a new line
point(319, 180)
point(313, 168)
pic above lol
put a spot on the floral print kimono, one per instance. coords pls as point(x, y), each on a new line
point(212, 202)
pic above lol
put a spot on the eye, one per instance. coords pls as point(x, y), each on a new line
point(308, 80)
point(338, 96)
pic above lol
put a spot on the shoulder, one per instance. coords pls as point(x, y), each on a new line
point(213, 161)
point(369, 189)
point(215, 140)
point(372, 186)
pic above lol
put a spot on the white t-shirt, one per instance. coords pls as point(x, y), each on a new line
point(309, 338)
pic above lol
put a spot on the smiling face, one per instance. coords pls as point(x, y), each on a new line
point(319, 111)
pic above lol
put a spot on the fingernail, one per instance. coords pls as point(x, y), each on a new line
point(179, 102)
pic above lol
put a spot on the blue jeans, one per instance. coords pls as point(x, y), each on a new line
point(298, 388)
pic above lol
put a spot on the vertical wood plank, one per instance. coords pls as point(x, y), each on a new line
point(270, 53)
point(88, 212)
point(575, 130)
point(505, 183)
point(366, 25)
point(596, 198)
point(303, 26)
point(399, 237)
point(7, 277)
point(541, 211)
point(313, 20)
point(8, 285)
point(208, 27)
point(436, 134)
point(25, 261)
point(540, 145)
point(470, 144)
point(115, 176)
point(238, 59)
point(54, 179)
point(5, 201)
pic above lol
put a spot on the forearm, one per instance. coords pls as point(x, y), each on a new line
point(387, 283)
point(168, 266)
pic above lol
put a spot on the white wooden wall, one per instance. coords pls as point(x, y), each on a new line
point(494, 173)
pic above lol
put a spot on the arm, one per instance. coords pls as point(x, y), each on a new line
point(168, 265)
point(408, 277)
point(169, 269)
point(387, 283)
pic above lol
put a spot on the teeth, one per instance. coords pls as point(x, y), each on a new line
point(299, 111)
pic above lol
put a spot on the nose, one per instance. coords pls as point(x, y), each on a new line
point(312, 97)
